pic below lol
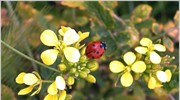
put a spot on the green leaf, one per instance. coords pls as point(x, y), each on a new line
point(141, 12)
point(109, 4)
point(168, 43)
point(111, 45)
point(122, 97)
point(81, 21)
point(144, 24)
point(74, 4)
point(7, 93)
point(155, 28)
point(138, 91)
point(98, 11)
point(134, 36)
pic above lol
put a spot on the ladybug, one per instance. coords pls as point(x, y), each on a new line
point(95, 49)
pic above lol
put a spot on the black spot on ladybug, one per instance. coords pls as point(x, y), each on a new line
point(93, 45)
point(97, 52)
point(103, 45)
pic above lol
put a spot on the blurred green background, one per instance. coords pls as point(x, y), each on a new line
point(23, 22)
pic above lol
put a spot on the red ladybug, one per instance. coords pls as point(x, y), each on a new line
point(95, 49)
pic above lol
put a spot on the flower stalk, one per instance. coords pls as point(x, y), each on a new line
point(27, 57)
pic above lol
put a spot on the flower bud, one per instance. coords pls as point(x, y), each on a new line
point(90, 78)
point(70, 80)
point(72, 70)
point(137, 76)
point(83, 59)
point(146, 78)
point(62, 67)
point(86, 70)
point(138, 56)
point(147, 60)
point(76, 74)
point(83, 65)
point(93, 65)
point(83, 50)
point(83, 74)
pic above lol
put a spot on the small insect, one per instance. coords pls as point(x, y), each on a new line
point(95, 49)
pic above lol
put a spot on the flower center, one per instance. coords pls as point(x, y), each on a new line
point(151, 47)
point(128, 68)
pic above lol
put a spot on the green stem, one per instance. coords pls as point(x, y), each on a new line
point(29, 58)
point(47, 81)
point(31, 55)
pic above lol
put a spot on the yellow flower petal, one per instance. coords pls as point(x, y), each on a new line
point(116, 66)
point(155, 58)
point(19, 78)
point(129, 58)
point(158, 84)
point(70, 37)
point(49, 38)
point(83, 35)
point(51, 97)
point(60, 83)
point(62, 95)
point(161, 76)
point(152, 83)
point(25, 90)
point(160, 47)
point(30, 79)
point(72, 54)
point(141, 50)
point(139, 67)
point(169, 75)
point(49, 56)
point(52, 89)
point(145, 42)
point(37, 91)
point(126, 79)
point(63, 30)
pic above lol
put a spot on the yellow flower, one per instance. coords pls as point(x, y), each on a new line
point(31, 79)
point(148, 48)
point(162, 78)
point(62, 96)
point(58, 86)
point(153, 83)
point(136, 66)
point(49, 38)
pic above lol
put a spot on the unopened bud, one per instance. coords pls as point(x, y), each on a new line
point(83, 58)
point(70, 80)
point(90, 78)
point(93, 65)
point(83, 50)
point(72, 70)
point(62, 67)
point(76, 74)
point(86, 70)
point(83, 74)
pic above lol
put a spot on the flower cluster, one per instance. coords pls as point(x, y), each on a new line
point(148, 61)
point(32, 80)
point(73, 65)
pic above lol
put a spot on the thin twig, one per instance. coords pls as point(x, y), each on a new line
point(31, 55)
point(29, 58)
point(118, 18)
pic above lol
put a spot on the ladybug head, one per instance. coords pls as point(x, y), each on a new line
point(103, 45)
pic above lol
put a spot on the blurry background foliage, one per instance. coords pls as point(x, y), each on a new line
point(120, 24)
